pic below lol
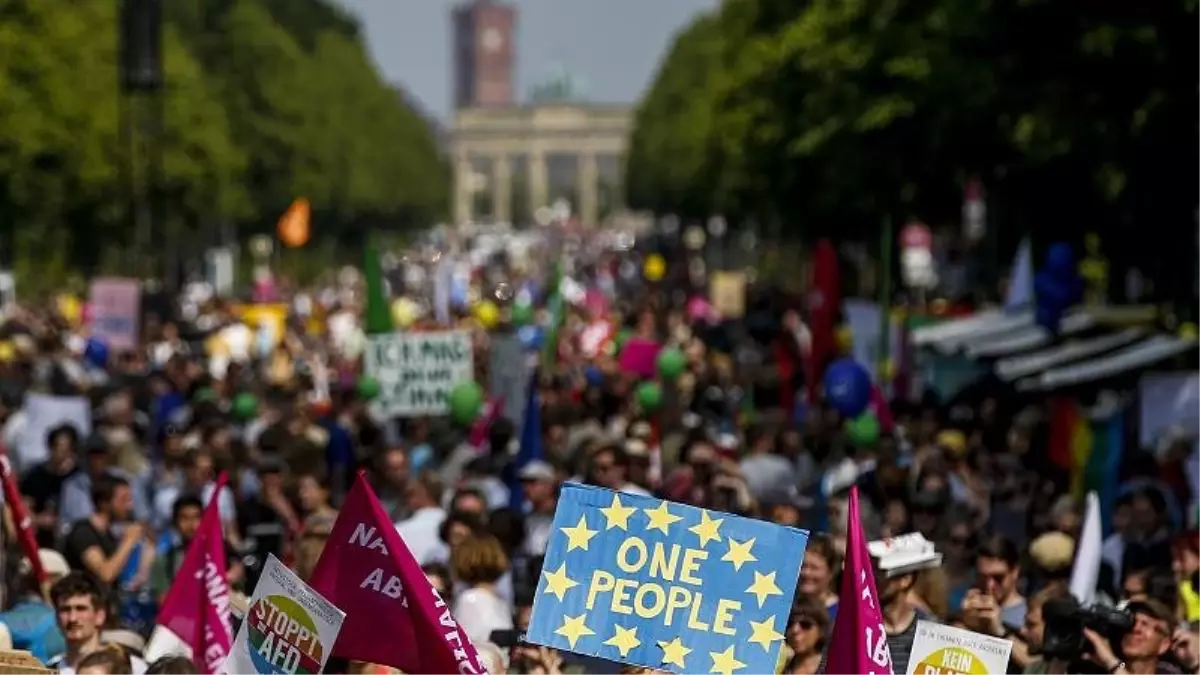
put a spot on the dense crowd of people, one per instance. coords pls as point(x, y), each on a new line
point(989, 529)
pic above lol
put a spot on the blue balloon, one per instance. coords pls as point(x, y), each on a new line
point(595, 376)
point(848, 387)
point(531, 337)
point(95, 352)
point(1057, 286)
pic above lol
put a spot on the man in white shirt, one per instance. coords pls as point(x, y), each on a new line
point(420, 530)
point(80, 604)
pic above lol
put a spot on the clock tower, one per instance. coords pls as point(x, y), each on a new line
point(483, 54)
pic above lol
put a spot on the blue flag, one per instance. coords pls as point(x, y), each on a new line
point(531, 442)
point(663, 585)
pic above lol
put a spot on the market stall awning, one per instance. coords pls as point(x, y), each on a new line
point(1024, 365)
point(1138, 355)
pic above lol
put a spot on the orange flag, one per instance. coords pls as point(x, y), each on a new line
point(294, 228)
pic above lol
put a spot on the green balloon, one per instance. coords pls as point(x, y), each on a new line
point(245, 406)
point(863, 430)
point(522, 314)
point(648, 396)
point(466, 402)
point(623, 336)
point(367, 387)
point(671, 363)
point(204, 395)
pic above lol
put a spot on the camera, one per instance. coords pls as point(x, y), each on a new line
point(1065, 620)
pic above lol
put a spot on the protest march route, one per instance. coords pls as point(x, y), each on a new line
point(664, 585)
point(417, 371)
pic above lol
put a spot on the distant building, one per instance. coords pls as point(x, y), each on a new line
point(484, 36)
point(494, 138)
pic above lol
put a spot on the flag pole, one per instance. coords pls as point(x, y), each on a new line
point(885, 300)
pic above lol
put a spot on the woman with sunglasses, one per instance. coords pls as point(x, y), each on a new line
point(806, 631)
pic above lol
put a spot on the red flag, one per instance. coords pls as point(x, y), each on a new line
point(858, 643)
point(195, 618)
point(368, 572)
point(824, 302)
point(25, 533)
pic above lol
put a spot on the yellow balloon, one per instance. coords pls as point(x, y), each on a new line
point(404, 312)
point(487, 314)
point(70, 308)
point(888, 370)
point(1188, 331)
point(843, 338)
point(7, 352)
point(655, 267)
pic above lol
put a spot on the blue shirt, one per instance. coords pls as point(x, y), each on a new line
point(34, 628)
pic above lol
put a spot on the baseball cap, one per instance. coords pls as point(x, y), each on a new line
point(537, 470)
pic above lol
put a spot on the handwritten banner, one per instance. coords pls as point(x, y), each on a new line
point(664, 585)
point(417, 371)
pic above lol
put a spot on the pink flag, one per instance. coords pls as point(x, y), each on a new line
point(393, 616)
point(479, 430)
point(194, 619)
point(858, 643)
point(639, 356)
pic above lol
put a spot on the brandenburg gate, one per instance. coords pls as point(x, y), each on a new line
point(499, 135)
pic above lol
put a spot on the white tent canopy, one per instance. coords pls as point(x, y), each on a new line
point(1016, 367)
point(1138, 355)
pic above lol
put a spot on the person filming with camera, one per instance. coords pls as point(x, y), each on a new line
point(1133, 641)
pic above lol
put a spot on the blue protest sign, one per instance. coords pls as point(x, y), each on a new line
point(664, 585)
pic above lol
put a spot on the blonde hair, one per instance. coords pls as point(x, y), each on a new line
point(112, 658)
point(479, 559)
point(308, 551)
point(933, 590)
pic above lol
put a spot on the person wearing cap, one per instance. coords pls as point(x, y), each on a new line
point(539, 482)
point(898, 561)
point(31, 620)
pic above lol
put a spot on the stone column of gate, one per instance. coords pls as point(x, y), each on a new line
point(588, 177)
point(501, 188)
point(463, 197)
point(539, 180)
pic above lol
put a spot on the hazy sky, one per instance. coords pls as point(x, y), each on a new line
point(613, 46)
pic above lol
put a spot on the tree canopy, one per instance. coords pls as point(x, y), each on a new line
point(829, 115)
point(265, 101)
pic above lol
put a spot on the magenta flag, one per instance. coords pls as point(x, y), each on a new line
point(394, 617)
point(858, 643)
point(195, 618)
point(479, 430)
point(639, 356)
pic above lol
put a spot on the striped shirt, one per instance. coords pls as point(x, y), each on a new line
point(899, 645)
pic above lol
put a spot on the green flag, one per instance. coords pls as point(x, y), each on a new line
point(377, 318)
point(555, 304)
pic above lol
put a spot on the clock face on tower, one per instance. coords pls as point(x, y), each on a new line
point(491, 40)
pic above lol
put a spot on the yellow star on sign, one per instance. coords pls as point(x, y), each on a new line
point(578, 536)
point(574, 628)
point(724, 663)
point(660, 518)
point(674, 652)
point(706, 529)
point(558, 583)
point(617, 515)
point(623, 639)
point(739, 553)
point(763, 587)
point(764, 633)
